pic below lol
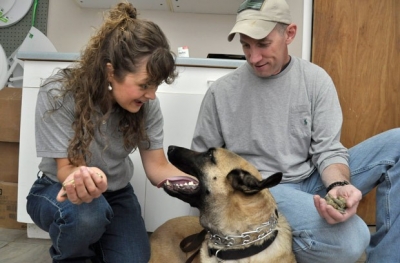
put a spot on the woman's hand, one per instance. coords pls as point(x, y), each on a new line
point(83, 185)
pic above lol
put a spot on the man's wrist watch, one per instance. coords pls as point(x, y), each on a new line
point(339, 183)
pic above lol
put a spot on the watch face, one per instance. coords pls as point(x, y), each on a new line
point(12, 11)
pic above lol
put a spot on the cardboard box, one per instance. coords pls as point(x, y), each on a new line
point(9, 155)
point(8, 206)
point(10, 114)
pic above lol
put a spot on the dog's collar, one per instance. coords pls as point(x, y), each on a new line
point(246, 238)
point(234, 254)
point(233, 245)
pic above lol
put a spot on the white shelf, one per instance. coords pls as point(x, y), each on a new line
point(222, 7)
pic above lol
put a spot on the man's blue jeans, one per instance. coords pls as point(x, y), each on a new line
point(109, 229)
point(373, 163)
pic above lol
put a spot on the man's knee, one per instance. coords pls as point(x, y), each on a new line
point(340, 243)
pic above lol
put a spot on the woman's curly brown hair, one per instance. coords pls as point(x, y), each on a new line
point(123, 41)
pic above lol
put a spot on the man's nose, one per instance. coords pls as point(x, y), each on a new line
point(255, 55)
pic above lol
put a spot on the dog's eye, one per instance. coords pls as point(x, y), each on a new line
point(209, 155)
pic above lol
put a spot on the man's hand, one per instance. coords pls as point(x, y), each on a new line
point(331, 215)
point(83, 185)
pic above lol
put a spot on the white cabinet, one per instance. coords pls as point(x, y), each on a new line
point(34, 73)
point(180, 104)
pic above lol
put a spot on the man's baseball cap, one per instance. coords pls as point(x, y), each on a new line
point(257, 18)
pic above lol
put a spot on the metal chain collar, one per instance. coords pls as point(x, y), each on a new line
point(246, 238)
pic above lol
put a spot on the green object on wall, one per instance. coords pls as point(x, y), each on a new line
point(12, 37)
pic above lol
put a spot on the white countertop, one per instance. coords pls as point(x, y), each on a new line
point(180, 61)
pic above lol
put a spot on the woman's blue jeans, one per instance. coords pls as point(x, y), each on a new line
point(109, 229)
point(373, 163)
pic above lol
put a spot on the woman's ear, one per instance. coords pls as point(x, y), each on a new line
point(290, 33)
point(110, 72)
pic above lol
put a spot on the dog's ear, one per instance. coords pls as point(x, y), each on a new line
point(247, 183)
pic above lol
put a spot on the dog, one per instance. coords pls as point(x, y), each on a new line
point(238, 215)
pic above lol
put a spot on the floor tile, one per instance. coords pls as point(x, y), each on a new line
point(39, 241)
point(3, 244)
point(25, 253)
point(11, 234)
point(16, 247)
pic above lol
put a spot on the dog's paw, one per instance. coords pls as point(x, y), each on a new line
point(338, 203)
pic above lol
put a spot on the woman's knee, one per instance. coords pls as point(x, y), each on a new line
point(91, 216)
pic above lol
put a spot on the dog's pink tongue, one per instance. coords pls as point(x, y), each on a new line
point(178, 179)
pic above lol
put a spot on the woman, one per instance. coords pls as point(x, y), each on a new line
point(89, 118)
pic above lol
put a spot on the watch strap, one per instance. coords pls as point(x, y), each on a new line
point(339, 183)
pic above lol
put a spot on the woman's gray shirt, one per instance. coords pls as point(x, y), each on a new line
point(54, 131)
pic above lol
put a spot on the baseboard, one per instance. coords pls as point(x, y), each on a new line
point(33, 231)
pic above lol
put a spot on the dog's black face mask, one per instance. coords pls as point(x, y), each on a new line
point(214, 164)
point(189, 162)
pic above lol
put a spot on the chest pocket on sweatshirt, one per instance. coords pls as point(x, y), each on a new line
point(300, 120)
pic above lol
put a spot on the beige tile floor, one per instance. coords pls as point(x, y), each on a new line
point(16, 247)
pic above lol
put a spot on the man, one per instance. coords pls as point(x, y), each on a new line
point(282, 114)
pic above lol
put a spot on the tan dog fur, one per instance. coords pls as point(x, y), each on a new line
point(166, 239)
point(227, 205)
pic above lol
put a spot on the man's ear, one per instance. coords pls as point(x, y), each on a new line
point(110, 72)
point(290, 33)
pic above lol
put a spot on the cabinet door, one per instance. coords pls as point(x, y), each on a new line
point(34, 74)
point(180, 104)
point(357, 43)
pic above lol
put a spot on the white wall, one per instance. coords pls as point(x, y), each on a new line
point(70, 27)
